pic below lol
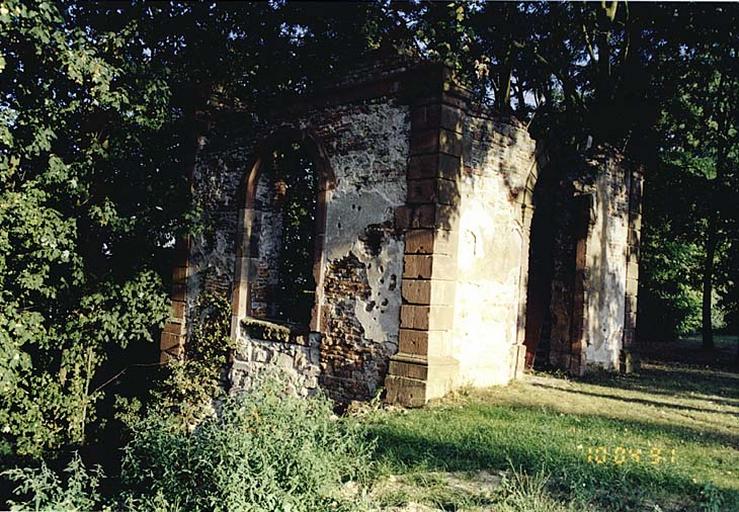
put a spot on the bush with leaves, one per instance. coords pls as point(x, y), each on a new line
point(76, 490)
point(669, 293)
point(264, 450)
point(81, 237)
point(192, 383)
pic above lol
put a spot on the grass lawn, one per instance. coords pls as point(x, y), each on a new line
point(665, 439)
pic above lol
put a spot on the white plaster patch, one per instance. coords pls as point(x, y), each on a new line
point(349, 214)
point(379, 316)
point(489, 257)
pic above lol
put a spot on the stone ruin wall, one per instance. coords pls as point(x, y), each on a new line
point(366, 146)
point(466, 252)
point(595, 269)
point(425, 252)
point(607, 259)
point(363, 251)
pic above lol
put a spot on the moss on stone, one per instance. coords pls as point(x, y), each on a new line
point(272, 331)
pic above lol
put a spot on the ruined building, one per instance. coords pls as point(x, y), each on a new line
point(390, 233)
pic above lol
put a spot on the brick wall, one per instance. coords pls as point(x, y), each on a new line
point(359, 264)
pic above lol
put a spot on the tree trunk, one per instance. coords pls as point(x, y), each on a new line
point(711, 240)
point(716, 186)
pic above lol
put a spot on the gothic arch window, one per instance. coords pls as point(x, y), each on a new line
point(280, 257)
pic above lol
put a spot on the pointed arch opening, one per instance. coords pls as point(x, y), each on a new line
point(279, 264)
point(559, 219)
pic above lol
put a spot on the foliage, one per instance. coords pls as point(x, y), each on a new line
point(522, 492)
point(78, 492)
point(192, 383)
point(691, 193)
point(101, 109)
point(669, 294)
point(265, 450)
point(71, 289)
point(296, 172)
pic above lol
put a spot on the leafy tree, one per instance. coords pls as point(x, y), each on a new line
point(81, 219)
point(102, 107)
point(698, 145)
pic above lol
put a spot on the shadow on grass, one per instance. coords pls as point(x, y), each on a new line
point(624, 487)
point(691, 352)
point(632, 400)
point(689, 435)
point(679, 382)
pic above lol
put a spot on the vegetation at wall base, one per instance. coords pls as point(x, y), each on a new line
point(191, 384)
point(263, 450)
point(548, 444)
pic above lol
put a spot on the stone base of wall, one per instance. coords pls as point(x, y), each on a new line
point(266, 348)
point(629, 361)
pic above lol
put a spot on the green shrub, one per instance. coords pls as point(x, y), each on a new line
point(264, 450)
point(192, 383)
point(44, 490)
point(81, 226)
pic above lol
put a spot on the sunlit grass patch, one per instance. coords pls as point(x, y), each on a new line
point(607, 442)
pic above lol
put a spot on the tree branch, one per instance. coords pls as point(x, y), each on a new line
point(589, 44)
point(114, 377)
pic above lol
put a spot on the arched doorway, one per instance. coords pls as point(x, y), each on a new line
point(541, 272)
point(556, 291)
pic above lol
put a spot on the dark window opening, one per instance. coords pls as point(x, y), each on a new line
point(287, 206)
